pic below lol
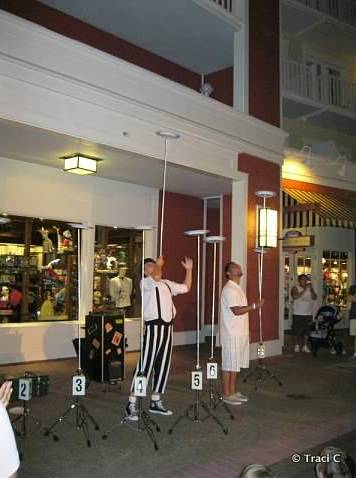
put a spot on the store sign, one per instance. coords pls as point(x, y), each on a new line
point(297, 242)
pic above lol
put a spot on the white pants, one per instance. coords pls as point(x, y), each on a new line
point(235, 353)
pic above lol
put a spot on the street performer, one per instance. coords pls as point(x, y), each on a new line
point(158, 314)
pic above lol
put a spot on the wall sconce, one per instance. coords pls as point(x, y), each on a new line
point(79, 164)
point(267, 227)
point(205, 88)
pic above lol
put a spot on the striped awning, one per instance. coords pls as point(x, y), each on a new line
point(307, 208)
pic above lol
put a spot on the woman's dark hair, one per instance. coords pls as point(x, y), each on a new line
point(339, 464)
point(257, 471)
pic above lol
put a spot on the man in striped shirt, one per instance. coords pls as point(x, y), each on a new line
point(158, 314)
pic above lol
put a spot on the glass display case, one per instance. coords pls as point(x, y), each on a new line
point(38, 270)
point(335, 277)
point(117, 270)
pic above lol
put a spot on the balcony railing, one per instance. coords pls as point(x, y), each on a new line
point(225, 4)
point(301, 80)
point(344, 10)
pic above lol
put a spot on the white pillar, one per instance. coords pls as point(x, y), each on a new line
point(241, 64)
point(239, 223)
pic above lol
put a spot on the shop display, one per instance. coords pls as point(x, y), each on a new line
point(335, 277)
point(117, 258)
point(37, 271)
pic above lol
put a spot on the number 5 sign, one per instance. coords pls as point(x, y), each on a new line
point(197, 380)
point(212, 371)
point(78, 385)
point(140, 386)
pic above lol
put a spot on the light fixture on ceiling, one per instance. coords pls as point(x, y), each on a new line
point(306, 151)
point(205, 88)
point(342, 162)
point(80, 164)
point(4, 220)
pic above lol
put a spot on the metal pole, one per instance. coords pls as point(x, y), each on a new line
point(163, 195)
point(142, 285)
point(213, 304)
point(198, 305)
point(79, 284)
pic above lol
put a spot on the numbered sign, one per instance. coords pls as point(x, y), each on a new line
point(197, 380)
point(261, 350)
point(25, 389)
point(212, 371)
point(78, 385)
point(140, 386)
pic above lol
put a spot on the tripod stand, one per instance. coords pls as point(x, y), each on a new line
point(144, 423)
point(193, 411)
point(261, 372)
point(82, 414)
point(21, 424)
point(215, 397)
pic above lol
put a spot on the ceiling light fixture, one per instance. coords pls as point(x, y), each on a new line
point(205, 88)
point(80, 164)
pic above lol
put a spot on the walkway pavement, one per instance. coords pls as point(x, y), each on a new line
point(316, 404)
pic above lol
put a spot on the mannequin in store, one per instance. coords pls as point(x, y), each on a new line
point(67, 241)
point(4, 297)
point(121, 289)
point(47, 244)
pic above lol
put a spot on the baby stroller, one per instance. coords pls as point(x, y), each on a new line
point(322, 333)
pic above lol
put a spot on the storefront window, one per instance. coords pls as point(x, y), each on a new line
point(335, 277)
point(117, 270)
point(304, 265)
point(38, 271)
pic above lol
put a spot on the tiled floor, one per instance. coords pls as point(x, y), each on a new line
point(269, 429)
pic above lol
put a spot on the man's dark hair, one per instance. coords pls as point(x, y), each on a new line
point(301, 276)
point(149, 260)
point(227, 267)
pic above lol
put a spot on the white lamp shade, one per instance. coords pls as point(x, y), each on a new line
point(80, 165)
point(267, 227)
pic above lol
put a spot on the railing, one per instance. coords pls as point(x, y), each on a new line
point(301, 80)
point(225, 4)
point(344, 10)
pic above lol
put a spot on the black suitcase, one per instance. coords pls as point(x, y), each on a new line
point(105, 347)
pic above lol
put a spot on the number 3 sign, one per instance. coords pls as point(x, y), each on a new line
point(78, 385)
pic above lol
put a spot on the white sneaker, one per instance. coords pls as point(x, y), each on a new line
point(241, 397)
point(296, 348)
point(333, 351)
point(232, 400)
point(306, 349)
point(131, 412)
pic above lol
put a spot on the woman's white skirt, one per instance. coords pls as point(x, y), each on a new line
point(235, 352)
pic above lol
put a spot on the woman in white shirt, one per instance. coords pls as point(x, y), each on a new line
point(303, 296)
point(9, 457)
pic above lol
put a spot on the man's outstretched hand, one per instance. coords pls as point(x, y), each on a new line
point(5, 393)
point(187, 263)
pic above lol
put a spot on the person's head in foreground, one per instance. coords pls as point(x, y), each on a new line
point(257, 471)
point(335, 464)
point(233, 272)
